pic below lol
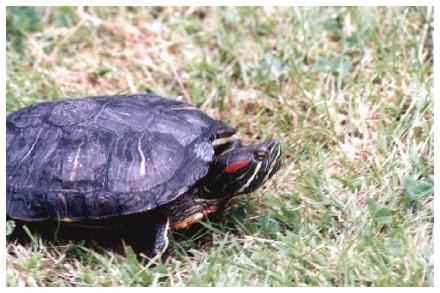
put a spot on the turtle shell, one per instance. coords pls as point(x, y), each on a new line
point(100, 157)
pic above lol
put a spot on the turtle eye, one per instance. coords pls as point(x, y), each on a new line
point(261, 155)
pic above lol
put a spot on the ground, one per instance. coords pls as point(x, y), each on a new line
point(348, 91)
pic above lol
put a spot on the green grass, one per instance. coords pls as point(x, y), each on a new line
point(348, 91)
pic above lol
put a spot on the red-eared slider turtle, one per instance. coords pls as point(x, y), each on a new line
point(138, 165)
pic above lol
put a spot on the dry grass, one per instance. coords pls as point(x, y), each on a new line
point(347, 90)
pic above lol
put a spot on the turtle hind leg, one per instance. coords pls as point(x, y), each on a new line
point(153, 239)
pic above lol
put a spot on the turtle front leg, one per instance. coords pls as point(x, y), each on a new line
point(152, 241)
point(160, 242)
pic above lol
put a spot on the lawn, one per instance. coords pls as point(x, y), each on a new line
point(348, 91)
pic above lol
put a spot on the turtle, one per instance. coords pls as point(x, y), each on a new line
point(136, 166)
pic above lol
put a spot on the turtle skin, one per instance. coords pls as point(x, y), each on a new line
point(104, 157)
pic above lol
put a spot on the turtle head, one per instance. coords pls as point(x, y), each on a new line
point(238, 169)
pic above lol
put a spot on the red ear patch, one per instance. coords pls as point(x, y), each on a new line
point(234, 166)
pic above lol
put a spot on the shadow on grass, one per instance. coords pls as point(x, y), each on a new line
point(109, 239)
